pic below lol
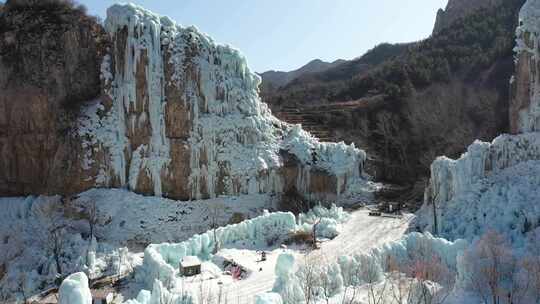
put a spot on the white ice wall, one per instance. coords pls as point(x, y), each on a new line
point(367, 268)
point(527, 41)
point(161, 261)
point(452, 180)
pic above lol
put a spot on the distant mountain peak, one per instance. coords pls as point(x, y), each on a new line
point(276, 79)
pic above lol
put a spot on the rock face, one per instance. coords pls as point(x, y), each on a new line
point(49, 63)
point(458, 9)
point(525, 103)
point(181, 117)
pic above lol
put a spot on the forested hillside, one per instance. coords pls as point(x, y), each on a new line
point(415, 101)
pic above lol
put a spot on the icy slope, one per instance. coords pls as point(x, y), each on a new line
point(182, 118)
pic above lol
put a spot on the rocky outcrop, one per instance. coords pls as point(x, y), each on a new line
point(49, 64)
point(459, 9)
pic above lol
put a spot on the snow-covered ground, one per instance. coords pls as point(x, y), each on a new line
point(128, 218)
point(360, 233)
point(28, 227)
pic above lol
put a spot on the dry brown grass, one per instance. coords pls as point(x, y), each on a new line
point(300, 238)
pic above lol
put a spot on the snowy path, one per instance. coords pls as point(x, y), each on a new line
point(361, 233)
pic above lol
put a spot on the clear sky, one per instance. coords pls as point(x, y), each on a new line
point(286, 34)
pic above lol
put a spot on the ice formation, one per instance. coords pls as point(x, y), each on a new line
point(181, 117)
point(160, 294)
point(504, 201)
point(366, 268)
point(329, 220)
point(161, 260)
point(525, 111)
point(124, 218)
point(483, 189)
point(284, 269)
point(286, 283)
point(74, 290)
point(452, 177)
point(268, 298)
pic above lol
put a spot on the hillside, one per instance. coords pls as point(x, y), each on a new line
point(318, 87)
point(458, 9)
point(435, 97)
point(273, 80)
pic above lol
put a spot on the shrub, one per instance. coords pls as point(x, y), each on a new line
point(300, 237)
point(294, 202)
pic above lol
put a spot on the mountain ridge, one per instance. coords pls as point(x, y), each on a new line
point(274, 79)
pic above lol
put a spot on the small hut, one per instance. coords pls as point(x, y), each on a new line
point(190, 266)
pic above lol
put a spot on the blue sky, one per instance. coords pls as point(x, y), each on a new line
point(286, 34)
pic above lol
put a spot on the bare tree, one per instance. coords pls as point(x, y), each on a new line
point(22, 287)
point(423, 278)
point(93, 217)
point(370, 275)
point(489, 263)
point(395, 140)
point(56, 243)
point(330, 280)
point(530, 266)
point(314, 232)
point(308, 275)
point(215, 213)
point(377, 295)
point(350, 279)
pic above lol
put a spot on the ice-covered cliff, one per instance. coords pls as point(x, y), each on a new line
point(493, 185)
point(182, 118)
point(525, 105)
